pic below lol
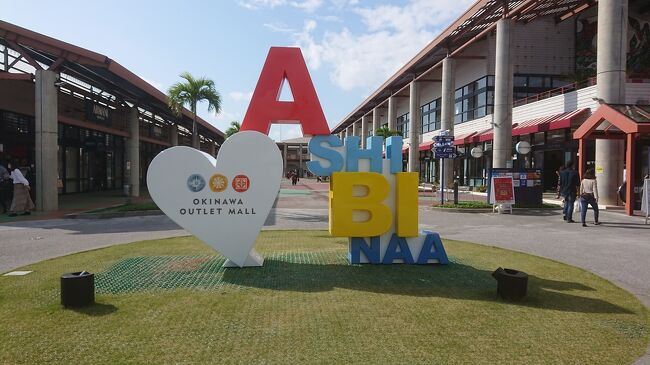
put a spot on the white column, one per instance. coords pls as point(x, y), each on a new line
point(284, 159)
point(414, 127)
point(611, 54)
point(355, 128)
point(174, 135)
point(364, 130)
point(392, 114)
point(375, 121)
point(133, 151)
point(46, 144)
point(447, 112)
point(502, 148)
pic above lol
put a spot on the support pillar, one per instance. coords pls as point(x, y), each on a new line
point(355, 128)
point(364, 131)
point(502, 127)
point(133, 151)
point(300, 160)
point(447, 112)
point(414, 127)
point(582, 151)
point(610, 79)
point(213, 150)
point(174, 135)
point(46, 143)
point(375, 121)
point(284, 159)
point(629, 174)
point(392, 113)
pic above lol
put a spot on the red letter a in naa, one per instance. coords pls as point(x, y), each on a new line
point(284, 63)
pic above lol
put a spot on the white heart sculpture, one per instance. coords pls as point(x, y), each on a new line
point(223, 202)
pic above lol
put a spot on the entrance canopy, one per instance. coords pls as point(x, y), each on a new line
point(85, 74)
point(616, 121)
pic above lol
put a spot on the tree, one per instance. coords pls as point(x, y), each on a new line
point(385, 132)
point(189, 93)
point(234, 128)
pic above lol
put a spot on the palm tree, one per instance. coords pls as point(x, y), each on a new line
point(190, 93)
point(385, 132)
point(234, 128)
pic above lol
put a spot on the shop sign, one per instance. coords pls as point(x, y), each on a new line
point(97, 113)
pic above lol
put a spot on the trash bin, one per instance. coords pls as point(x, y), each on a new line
point(511, 284)
point(77, 289)
point(127, 189)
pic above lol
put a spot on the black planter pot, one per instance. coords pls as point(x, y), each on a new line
point(77, 289)
point(511, 284)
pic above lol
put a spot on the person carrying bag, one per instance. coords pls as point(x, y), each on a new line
point(589, 196)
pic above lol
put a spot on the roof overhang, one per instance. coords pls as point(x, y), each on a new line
point(92, 68)
point(474, 24)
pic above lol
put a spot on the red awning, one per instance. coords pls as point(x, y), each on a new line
point(565, 120)
point(464, 138)
point(548, 123)
point(425, 146)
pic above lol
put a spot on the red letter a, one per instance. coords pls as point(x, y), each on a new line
point(265, 108)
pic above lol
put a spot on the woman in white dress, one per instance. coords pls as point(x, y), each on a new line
point(22, 202)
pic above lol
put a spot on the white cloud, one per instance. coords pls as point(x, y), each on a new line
point(393, 35)
point(240, 95)
point(306, 5)
point(279, 27)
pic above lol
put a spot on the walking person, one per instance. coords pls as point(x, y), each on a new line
point(589, 196)
point(6, 185)
point(558, 172)
point(569, 182)
point(21, 201)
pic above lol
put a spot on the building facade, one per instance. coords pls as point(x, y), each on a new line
point(78, 121)
point(511, 71)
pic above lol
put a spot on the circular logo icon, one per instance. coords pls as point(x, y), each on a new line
point(241, 183)
point(218, 183)
point(195, 183)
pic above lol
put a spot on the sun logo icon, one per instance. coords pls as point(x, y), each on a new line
point(218, 183)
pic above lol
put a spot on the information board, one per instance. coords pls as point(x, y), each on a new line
point(527, 183)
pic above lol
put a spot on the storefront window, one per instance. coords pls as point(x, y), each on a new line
point(472, 100)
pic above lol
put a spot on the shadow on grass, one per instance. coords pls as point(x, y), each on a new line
point(96, 310)
point(454, 281)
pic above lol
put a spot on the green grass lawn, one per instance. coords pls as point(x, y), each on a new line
point(168, 301)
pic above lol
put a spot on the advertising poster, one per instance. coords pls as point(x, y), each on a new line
point(503, 190)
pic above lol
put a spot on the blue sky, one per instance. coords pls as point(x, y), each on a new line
point(351, 46)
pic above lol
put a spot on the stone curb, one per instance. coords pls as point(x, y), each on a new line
point(483, 210)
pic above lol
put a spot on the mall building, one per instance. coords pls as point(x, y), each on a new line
point(526, 70)
point(78, 121)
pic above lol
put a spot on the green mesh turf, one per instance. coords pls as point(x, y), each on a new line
point(136, 274)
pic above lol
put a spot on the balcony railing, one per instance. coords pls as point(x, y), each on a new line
point(555, 92)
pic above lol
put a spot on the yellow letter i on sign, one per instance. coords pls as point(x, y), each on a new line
point(406, 204)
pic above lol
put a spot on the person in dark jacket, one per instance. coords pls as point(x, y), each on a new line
point(569, 183)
